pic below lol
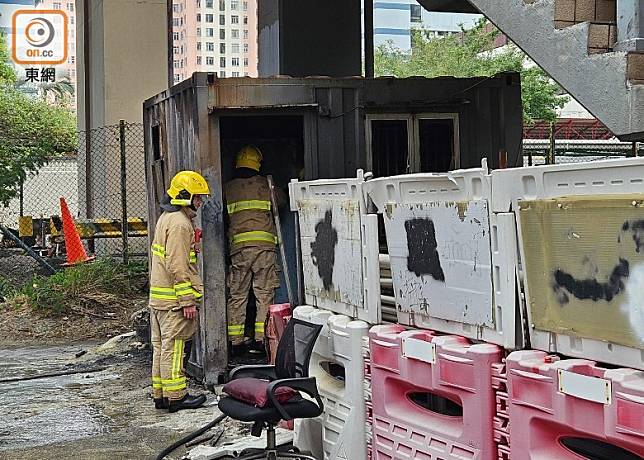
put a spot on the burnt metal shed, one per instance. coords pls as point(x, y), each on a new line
point(313, 128)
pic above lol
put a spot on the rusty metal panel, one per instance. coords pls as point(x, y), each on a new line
point(584, 266)
point(253, 93)
point(180, 119)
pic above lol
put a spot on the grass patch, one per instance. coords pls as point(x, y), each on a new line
point(95, 289)
point(7, 289)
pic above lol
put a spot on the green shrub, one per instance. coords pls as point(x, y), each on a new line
point(7, 289)
point(93, 288)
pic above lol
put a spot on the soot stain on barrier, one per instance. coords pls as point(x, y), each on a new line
point(423, 257)
point(323, 249)
point(591, 288)
point(637, 229)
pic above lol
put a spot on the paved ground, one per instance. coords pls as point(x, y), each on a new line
point(91, 415)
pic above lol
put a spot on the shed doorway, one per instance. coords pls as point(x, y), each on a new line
point(280, 138)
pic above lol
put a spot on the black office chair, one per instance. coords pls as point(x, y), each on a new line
point(264, 394)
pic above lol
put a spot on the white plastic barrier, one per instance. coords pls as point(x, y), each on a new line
point(337, 363)
point(445, 249)
point(339, 246)
point(581, 243)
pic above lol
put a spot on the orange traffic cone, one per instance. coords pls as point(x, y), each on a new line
point(73, 246)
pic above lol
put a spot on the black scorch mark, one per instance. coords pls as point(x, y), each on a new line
point(323, 249)
point(423, 257)
point(591, 288)
point(637, 229)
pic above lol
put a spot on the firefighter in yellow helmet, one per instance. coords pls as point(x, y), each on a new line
point(252, 237)
point(175, 290)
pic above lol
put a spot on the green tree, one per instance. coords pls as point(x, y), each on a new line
point(471, 54)
point(32, 132)
point(61, 91)
point(6, 71)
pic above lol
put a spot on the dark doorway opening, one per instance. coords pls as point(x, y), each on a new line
point(280, 138)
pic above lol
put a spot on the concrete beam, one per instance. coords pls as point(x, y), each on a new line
point(448, 6)
point(303, 38)
point(630, 25)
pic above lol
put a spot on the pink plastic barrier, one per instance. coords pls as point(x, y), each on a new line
point(412, 371)
point(367, 399)
point(501, 418)
point(559, 407)
point(278, 316)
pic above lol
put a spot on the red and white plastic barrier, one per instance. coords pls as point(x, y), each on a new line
point(412, 371)
point(559, 407)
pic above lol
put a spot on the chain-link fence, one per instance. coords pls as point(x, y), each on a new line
point(576, 152)
point(112, 189)
point(104, 191)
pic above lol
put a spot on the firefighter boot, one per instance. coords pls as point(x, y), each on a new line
point(160, 403)
point(187, 402)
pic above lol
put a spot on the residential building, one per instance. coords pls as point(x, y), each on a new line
point(64, 71)
point(214, 36)
point(68, 69)
point(394, 21)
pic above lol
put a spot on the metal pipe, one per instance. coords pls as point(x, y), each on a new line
point(368, 39)
point(169, 41)
point(387, 299)
point(298, 260)
point(278, 228)
point(22, 198)
point(389, 319)
point(89, 212)
point(124, 224)
point(386, 282)
point(388, 310)
point(27, 249)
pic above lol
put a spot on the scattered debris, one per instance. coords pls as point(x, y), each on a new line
point(116, 342)
point(233, 449)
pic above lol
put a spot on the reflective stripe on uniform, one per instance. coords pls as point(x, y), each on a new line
point(163, 293)
point(258, 236)
point(180, 202)
point(176, 384)
point(158, 250)
point(183, 288)
point(156, 383)
point(180, 289)
point(259, 327)
point(236, 330)
point(249, 205)
point(177, 387)
point(177, 358)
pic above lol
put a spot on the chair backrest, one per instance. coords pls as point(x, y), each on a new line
point(295, 348)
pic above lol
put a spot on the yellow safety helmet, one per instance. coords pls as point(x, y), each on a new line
point(186, 184)
point(249, 157)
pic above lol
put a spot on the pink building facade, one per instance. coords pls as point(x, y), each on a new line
point(214, 36)
point(68, 69)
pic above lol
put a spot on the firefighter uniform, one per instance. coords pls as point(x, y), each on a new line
point(252, 238)
point(174, 285)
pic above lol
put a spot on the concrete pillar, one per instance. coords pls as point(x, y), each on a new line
point(630, 25)
point(122, 59)
point(309, 37)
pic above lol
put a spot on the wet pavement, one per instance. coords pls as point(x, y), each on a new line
point(90, 415)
